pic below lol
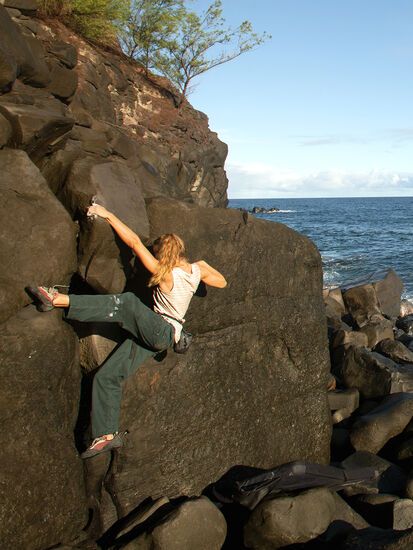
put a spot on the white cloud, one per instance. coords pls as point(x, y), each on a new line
point(261, 181)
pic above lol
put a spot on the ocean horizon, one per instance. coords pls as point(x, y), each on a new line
point(356, 236)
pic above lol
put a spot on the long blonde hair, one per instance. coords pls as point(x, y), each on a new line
point(168, 249)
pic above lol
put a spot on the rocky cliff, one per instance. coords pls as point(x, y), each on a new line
point(78, 122)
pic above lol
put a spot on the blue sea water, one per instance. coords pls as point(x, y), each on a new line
point(355, 236)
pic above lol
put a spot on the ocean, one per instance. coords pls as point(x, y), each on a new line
point(355, 236)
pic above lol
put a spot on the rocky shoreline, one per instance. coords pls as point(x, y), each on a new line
point(371, 402)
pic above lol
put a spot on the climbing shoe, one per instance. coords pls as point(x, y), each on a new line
point(43, 296)
point(104, 444)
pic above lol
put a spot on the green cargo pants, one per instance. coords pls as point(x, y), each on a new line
point(151, 333)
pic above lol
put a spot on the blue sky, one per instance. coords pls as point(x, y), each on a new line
point(325, 108)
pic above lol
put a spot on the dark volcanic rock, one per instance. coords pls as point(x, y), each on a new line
point(334, 308)
point(5, 131)
point(354, 338)
point(21, 55)
point(38, 238)
point(194, 524)
point(406, 340)
point(344, 520)
point(361, 302)
point(374, 538)
point(64, 52)
point(43, 501)
point(373, 374)
point(388, 287)
point(290, 520)
point(376, 330)
point(406, 324)
point(63, 81)
point(91, 140)
point(28, 7)
point(37, 128)
point(103, 259)
point(372, 431)
point(43, 75)
point(385, 511)
point(262, 210)
point(378, 293)
point(343, 403)
point(219, 399)
point(8, 69)
point(395, 350)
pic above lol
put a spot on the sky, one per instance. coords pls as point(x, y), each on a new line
point(324, 108)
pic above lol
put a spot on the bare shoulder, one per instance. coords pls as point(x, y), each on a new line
point(203, 266)
point(211, 276)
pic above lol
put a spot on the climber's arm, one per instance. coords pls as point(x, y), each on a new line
point(128, 236)
point(211, 276)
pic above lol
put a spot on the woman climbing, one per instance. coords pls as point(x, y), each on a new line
point(175, 281)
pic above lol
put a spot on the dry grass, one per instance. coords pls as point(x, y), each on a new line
point(54, 7)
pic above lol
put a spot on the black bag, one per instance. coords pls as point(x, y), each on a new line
point(184, 342)
point(249, 486)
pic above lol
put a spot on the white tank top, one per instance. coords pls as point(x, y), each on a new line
point(175, 303)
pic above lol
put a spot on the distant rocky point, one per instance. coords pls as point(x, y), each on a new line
point(262, 210)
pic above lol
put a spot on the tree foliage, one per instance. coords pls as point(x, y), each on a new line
point(99, 20)
point(182, 44)
point(162, 35)
point(151, 25)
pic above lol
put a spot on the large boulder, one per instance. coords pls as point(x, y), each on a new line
point(406, 324)
point(16, 56)
point(194, 524)
point(372, 431)
point(37, 128)
point(373, 374)
point(380, 292)
point(246, 371)
point(63, 81)
point(395, 350)
point(43, 501)
point(104, 261)
point(376, 330)
point(28, 7)
point(374, 538)
point(343, 337)
point(38, 238)
point(290, 520)
point(64, 52)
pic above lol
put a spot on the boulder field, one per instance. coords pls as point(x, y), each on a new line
point(78, 123)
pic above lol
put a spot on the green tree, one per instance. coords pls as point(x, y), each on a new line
point(202, 43)
point(99, 20)
point(151, 25)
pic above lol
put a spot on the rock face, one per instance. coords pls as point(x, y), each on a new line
point(41, 476)
point(207, 403)
point(77, 122)
point(38, 238)
point(103, 261)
